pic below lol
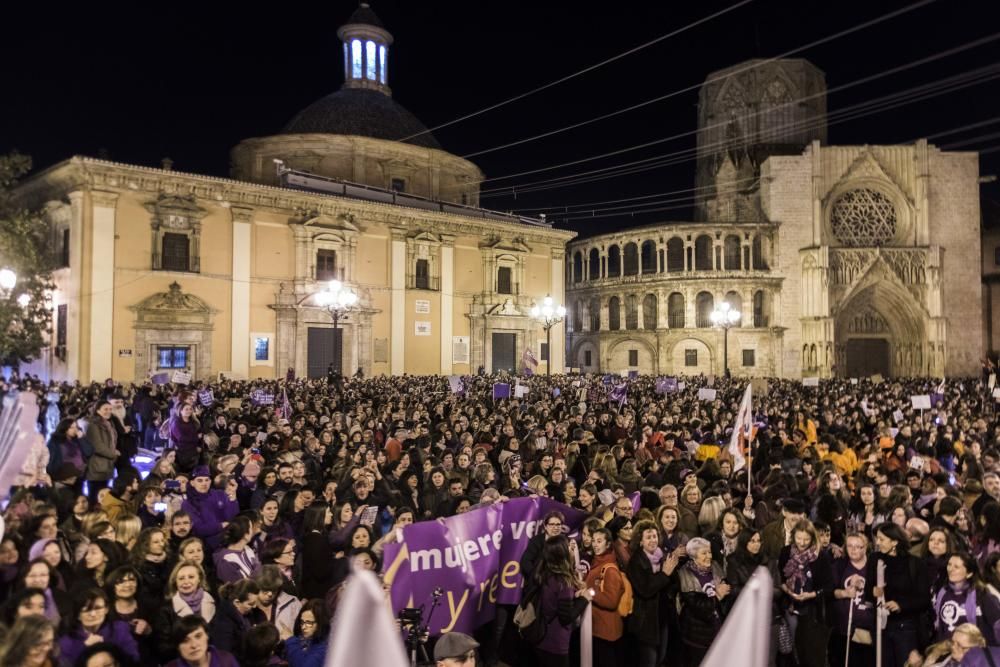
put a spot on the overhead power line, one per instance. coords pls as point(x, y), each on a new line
point(799, 49)
point(591, 68)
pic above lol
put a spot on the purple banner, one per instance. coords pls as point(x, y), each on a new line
point(474, 558)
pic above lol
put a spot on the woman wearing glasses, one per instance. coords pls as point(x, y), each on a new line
point(308, 647)
point(89, 625)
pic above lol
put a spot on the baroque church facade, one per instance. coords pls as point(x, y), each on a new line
point(165, 271)
point(843, 261)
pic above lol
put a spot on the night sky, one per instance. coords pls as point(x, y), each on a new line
point(193, 80)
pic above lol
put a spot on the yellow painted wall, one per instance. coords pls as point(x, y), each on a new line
point(423, 353)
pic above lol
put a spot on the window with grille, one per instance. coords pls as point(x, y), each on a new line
point(633, 357)
point(675, 311)
point(749, 358)
point(176, 252)
point(61, 315)
point(690, 357)
point(172, 357)
point(505, 283)
point(326, 265)
point(422, 274)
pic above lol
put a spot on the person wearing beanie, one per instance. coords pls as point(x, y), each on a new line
point(209, 508)
point(778, 533)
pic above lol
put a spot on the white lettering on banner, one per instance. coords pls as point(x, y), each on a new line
point(459, 555)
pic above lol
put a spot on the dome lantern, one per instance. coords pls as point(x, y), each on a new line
point(366, 51)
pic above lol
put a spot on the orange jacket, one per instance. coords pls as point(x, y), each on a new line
point(608, 623)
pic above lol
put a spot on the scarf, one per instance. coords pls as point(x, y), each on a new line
point(728, 545)
point(655, 558)
point(795, 568)
point(51, 611)
point(156, 559)
point(194, 600)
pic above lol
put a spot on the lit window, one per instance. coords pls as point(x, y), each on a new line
point(370, 59)
point(172, 357)
point(261, 348)
point(356, 59)
point(381, 63)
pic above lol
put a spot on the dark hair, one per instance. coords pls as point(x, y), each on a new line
point(555, 561)
point(371, 553)
point(117, 576)
point(238, 529)
point(272, 549)
point(360, 527)
point(318, 609)
point(185, 625)
point(896, 534)
point(118, 655)
point(8, 613)
point(83, 600)
point(123, 481)
point(259, 645)
point(239, 590)
point(314, 518)
point(971, 566)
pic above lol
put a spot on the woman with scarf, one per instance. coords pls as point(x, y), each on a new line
point(38, 574)
point(805, 580)
point(649, 571)
point(209, 508)
point(186, 596)
point(103, 438)
point(90, 623)
point(963, 598)
point(230, 623)
point(702, 592)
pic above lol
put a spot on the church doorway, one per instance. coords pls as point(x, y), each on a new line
point(503, 352)
point(867, 356)
point(326, 346)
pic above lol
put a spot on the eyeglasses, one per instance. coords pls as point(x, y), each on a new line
point(305, 622)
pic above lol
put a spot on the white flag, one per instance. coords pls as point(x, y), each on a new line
point(745, 637)
point(363, 631)
point(742, 430)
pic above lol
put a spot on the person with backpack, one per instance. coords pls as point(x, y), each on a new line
point(650, 573)
point(560, 598)
point(612, 592)
point(964, 599)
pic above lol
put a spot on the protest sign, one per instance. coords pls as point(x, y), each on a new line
point(705, 394)
point(921, 402)
point(810, 382)
point(181, 377)
point(474, 557)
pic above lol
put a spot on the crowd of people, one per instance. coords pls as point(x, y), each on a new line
point(236, 545)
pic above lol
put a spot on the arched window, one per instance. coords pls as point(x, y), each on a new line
point(631, 312)
point(735, 302)
point(703, 253)
point(704, 304)
point(675, 311)
point(595, 264)
point(595, 314)
point(614, 314)
point(757, 255)
point(648, 257)
point(732, 256)
point(577, 267)
point(759, 309)
point(675, 254)
point(614, 262)
point(578, 316)
point(649, 312)
point(631, 259)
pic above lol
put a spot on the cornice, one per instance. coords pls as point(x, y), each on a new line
point(82, 173)
point(671, 229)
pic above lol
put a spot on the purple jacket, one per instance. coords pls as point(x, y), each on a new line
point(114, 632)
point(184, 435)
point(235, 565)
point(218, 659)
point(208, 511)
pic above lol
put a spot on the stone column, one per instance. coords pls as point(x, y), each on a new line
point(286, 316)
point(557, 350)
point(397, 315)
point(239, 348)
point(102, 285)
point(448, 300)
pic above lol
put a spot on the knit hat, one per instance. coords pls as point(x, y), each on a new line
point(201, 471)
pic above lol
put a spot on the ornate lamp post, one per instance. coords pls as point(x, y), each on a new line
point(549, 314)
point(337, 299)
point(725, 316)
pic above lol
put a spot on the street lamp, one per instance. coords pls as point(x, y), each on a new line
point(549, 314)
point(725, 316)
point(338, 299)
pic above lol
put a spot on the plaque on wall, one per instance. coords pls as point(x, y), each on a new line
point(421, 328)
point(460, 349)
point(381, 351)
point(423, 306)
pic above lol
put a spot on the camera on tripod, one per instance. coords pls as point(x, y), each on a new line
point(411, 619)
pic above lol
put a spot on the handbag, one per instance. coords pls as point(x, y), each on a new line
point(785, 642)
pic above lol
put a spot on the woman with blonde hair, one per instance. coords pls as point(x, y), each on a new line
point(127, 529)
point(951, 652)
point(536, 486)
point(708, 516)
point(186, 596)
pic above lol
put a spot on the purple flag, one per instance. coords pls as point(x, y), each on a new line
point(618, 394)
point(501, 390)
point(474, 557)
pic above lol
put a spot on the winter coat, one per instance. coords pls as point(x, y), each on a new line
point(701, 613)
point(71, 645)
point(228, 627)
point(208, 511)
point(103, 437)
point(652, 592)
point(233, 566)
point(301, 652)
point(607, 580)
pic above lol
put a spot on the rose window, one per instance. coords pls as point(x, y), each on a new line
point(863, 218)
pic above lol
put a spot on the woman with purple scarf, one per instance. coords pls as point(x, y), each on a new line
point(649, 571)
point(702, 590)
point(806, 578)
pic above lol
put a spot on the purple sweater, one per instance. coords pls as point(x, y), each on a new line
point(114, 632)
point(208, 511)
point(184, 434)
